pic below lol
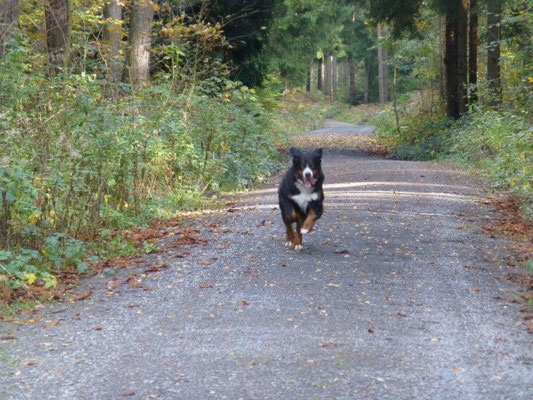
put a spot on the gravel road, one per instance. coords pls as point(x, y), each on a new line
point(398, 294)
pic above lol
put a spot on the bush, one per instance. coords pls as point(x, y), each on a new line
point(74, 162)
point(501, 144)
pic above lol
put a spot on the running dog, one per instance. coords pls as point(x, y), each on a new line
point(301, 196)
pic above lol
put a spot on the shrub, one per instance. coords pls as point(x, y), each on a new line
point(74, 162)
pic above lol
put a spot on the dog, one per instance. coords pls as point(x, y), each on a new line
point(301, 196)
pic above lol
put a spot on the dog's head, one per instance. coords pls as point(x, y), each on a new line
point(306, 166)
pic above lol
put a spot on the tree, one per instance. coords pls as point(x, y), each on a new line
point(8, 20)
point(137, 65)
point(351, 80)
point(472, 50)
point(57, 17)
point(382, 66)
point(320, 74)
point(494, 10)
point(113, 37)
point(329, 76)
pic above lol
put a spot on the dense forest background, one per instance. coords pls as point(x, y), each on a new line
point(116, 112)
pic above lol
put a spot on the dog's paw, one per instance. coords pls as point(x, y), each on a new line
point(298, 247)
point(288, 244)
point(304, 231)
point(314, 196)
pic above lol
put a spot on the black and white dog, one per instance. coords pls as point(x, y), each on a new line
point(300, 195)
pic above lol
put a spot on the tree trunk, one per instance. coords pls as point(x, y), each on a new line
point(443, 57)
point(57, 19)
point(462, 59)
point(366, 98)
point(334, 76)
point(494, 9)
point(309, 76)
point(329, 74)
point(382, 65)
point(319, 74)
point(8, 21)
point(455, 60)
point(113, 37)
point(450, 60)
point(472, 51)
point(137, 65)
point(351, 78)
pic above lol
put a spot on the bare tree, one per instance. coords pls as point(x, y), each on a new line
point(57, 17)
point(113, 37)
point(8, 20)
point(137, 65)
point(382, 67)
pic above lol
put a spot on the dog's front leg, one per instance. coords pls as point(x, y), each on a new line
point(309, 222)
point(298, 237)
point(290, 234)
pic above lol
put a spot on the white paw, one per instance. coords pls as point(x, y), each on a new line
point(298, 247)
point(304, 231)
point(314, 196)
point(288, 244)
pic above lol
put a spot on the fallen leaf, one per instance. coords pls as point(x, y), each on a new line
point(401, 313)
point(370, 330)
point(83, 296)
point(328, 344)
point(97, 328)
point(205, 286)
point(9, 336)
point(50, 324)
point(245, 303)
point(128, 393)
point(342, 252)
point(133, 282)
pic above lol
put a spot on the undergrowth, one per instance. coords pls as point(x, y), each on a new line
point(496, 142)
point(78, 162)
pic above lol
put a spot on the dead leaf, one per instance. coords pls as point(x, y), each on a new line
point(156, 268)
point(204, 262)
point(401, 313)
point(328, 344)
point(133, 282)
point(50, 324)
point(83, 296)
point(97, 328)
point(342, 252)
point(9, 336)
point(245, 303)
point(205, 286)
point(128, 393)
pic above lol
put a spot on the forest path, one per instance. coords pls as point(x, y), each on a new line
point(398, 294)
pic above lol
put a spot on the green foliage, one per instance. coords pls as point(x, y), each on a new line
point(501, 144)
point(74, 162)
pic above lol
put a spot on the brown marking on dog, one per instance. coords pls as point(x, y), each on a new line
point(297, 236)
point(298, 174)
point(290, 233)
point(309, 222)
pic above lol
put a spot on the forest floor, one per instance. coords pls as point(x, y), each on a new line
point(399, 293)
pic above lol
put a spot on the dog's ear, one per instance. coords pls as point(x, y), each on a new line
point(296, 155)
point(317, 154)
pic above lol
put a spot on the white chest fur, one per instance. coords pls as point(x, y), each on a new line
point(305, 197)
